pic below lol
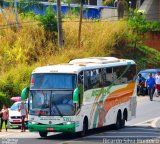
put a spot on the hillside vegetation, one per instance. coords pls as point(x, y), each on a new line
point(30, 47)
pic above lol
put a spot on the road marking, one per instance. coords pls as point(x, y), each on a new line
point(147, 121)
point(138, 128)
point(155, 122)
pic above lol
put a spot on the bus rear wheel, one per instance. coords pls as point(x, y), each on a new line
point(123, 123)
point(43, 134)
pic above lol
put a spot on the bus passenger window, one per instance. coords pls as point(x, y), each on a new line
point(80, 78)
point(109, 77)
point(131, 73)
point(117, 74)
point(86, 80)
point(91, 79)
point(94, 78)
point(103, 77)
point(81, 88)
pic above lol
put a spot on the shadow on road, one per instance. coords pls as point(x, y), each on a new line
point(156, 100)
point(71, 136)
point(130, 132)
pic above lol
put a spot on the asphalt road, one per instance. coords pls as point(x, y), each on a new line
point(139, 130)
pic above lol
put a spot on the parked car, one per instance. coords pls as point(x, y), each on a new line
point(15, 115)
point(145, 74)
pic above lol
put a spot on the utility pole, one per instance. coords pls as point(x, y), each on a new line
point(60, 33)
point(16, 13)
point(80, 24)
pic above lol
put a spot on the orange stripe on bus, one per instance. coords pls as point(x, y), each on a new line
point(115, 98)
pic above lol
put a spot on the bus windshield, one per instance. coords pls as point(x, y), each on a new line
point(53, 81)
point(51, 103)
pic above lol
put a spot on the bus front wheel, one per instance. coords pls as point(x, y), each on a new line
point(43, 134)
point(85, 127)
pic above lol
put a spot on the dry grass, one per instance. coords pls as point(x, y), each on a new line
point(29, 44)
point(23, 50)
point(98, 39)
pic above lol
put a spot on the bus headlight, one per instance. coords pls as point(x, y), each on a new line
point(68, 123)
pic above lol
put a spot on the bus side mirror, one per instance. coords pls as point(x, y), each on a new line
point(75, 95)
point(24, 94)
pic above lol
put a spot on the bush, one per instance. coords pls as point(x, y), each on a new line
point(138, 23)
point(12, 82)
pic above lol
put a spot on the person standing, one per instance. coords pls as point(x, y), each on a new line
point(24, 114)
point(150, 84)
point(5, 116)
point(157, 79)
point(120, 8)
point(141, 85)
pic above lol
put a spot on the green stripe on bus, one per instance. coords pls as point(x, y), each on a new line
point(56, 128)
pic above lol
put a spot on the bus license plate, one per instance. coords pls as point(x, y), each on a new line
point(50, 129)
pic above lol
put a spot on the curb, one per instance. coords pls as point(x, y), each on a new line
point(156, 123)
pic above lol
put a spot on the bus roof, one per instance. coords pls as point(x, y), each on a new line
point(77, 65)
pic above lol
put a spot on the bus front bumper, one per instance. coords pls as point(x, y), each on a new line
point(51, 128)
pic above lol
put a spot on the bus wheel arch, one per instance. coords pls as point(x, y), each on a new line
point(85, 126)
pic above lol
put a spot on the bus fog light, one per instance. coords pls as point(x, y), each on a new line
point(32, 119)
point(33, 122)
point(68, 123)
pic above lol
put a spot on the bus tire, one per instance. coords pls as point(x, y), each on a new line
point(118, 123)
point(85, 127)
point(124, 119)
point(43, 134)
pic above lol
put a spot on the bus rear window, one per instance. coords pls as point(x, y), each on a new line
point(53, 81)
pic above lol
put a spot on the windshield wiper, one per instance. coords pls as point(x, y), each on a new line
point(56, 105)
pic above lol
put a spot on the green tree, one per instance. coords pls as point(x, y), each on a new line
point(49, 20)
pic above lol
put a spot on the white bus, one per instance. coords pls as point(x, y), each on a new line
point(81, 95)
